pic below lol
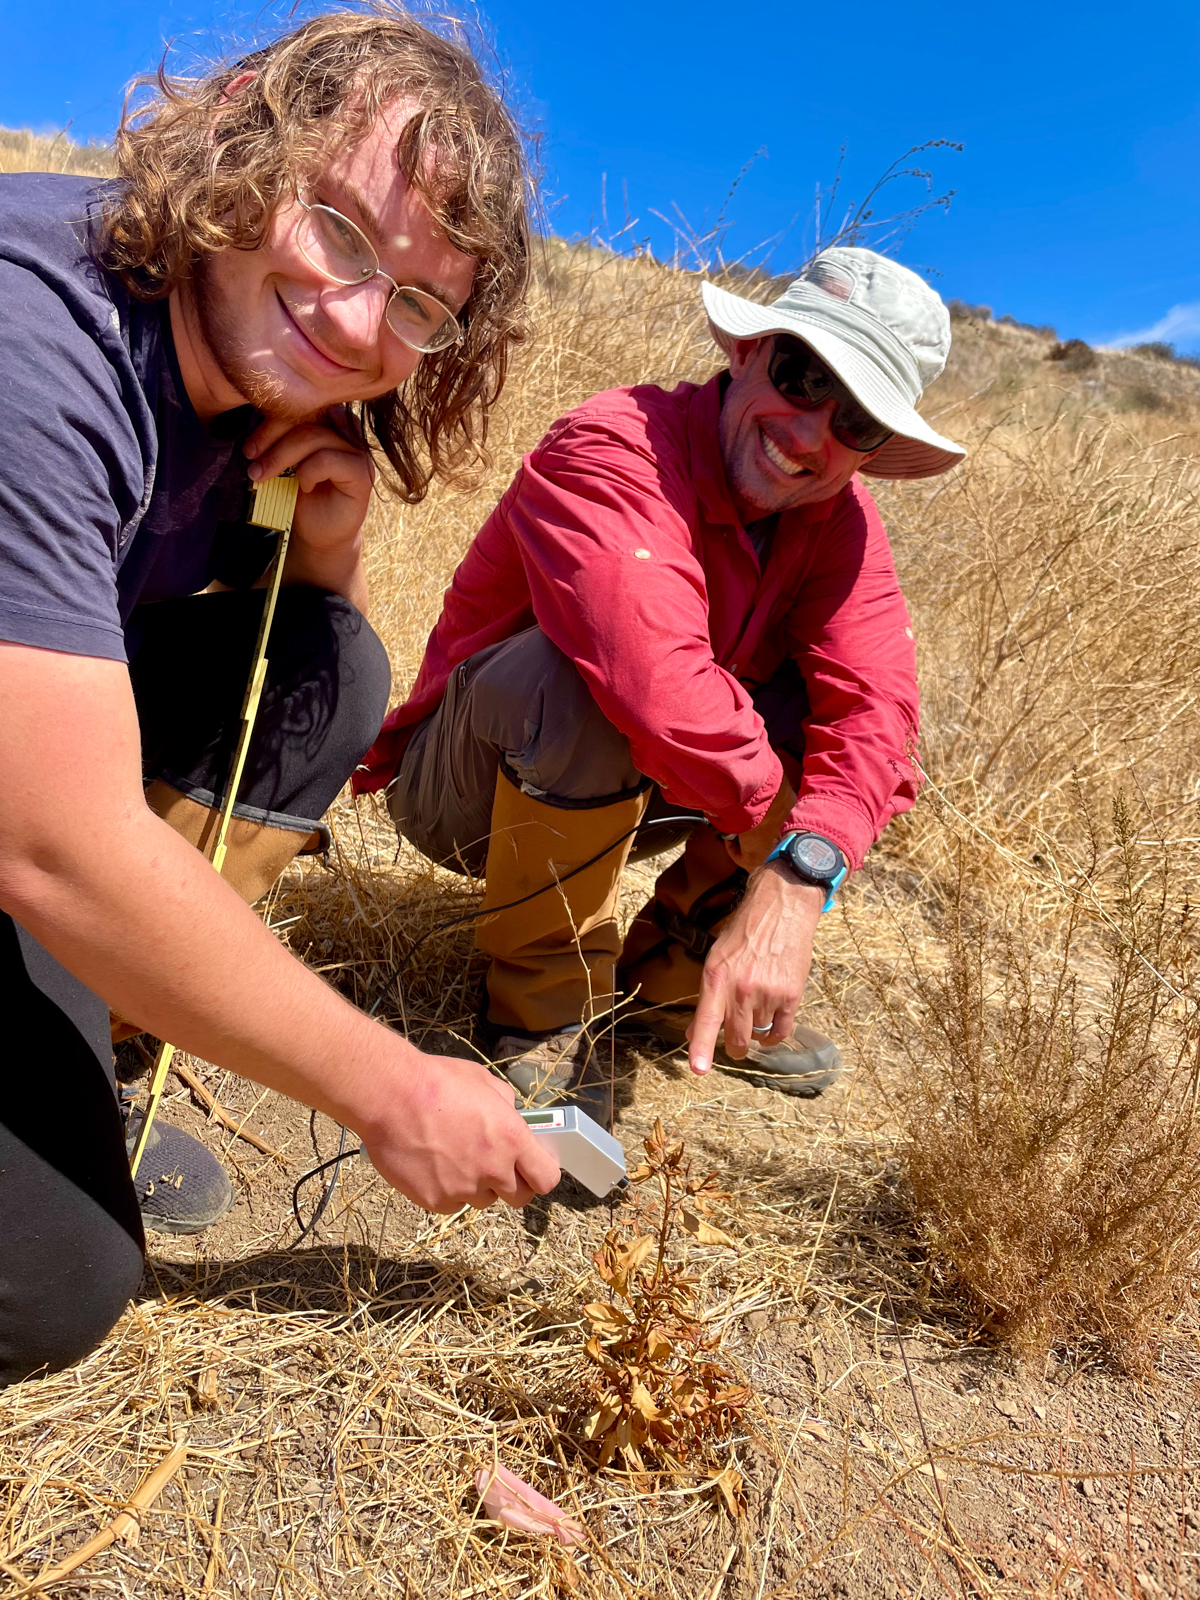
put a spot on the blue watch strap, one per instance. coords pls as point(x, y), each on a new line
point(835, 884)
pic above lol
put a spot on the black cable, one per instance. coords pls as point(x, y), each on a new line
point(442, 927)
point(315, 1172)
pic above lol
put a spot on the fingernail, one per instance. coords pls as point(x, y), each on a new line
point(255, 471)
point(250, 449)
point(701, 1064)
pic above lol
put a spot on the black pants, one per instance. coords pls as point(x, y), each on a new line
point(71, 1242)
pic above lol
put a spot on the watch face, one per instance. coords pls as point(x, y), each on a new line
point(816, 856)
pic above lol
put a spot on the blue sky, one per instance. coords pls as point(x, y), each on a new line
point(1078, 189)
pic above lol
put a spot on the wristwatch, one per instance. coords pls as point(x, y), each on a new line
point(814, 859)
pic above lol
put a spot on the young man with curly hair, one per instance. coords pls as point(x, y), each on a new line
point(323, 244)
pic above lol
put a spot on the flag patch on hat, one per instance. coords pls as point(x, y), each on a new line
point(829, 276)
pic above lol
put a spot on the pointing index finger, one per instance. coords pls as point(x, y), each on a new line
point(706, 1025)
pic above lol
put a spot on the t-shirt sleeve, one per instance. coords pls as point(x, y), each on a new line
point(71, 476)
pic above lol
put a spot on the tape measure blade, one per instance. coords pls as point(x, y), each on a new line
point(275, 502)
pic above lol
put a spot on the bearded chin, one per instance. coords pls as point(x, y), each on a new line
point(224, 337)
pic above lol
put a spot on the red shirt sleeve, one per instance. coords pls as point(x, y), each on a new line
point(850, 633)
point(601, 525)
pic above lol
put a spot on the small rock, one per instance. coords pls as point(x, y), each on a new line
point(817, 1430)
point(756, 1321)
point(1013, 1409)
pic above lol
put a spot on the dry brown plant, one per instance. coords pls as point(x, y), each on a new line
point(1051, 1140)
point(659, 1390)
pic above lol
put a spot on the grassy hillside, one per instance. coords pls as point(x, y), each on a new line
point(949, 1272)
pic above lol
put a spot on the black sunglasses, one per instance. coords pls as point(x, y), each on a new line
point(803, 379)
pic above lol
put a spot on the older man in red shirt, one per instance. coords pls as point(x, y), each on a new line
point(685, 603)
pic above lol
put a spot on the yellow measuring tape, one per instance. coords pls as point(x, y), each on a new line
point(274, 507)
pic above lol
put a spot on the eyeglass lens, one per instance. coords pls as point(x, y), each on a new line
point(342, 252)
point(800, 375)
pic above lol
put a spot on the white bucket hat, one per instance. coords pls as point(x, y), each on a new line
point(879, 327)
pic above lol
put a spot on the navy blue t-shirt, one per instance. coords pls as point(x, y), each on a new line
point(112, 492)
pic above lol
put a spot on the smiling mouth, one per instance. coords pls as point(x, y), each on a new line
point(324, 355)
point(793, 469)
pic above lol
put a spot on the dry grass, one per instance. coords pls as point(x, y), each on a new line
point(1012, 1154)
point(1052, 1142)
point(24, 151)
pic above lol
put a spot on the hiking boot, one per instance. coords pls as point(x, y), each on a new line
point(553, 939)
point(803, 1065)
point(556, 1069)
point(181, 1186)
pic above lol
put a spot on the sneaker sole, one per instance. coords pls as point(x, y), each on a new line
point(180, 1228)
point(805, 1086)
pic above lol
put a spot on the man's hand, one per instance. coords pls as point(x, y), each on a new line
point(756, 971)
point(751, 849)
point(336, 476)
point(455, 1139)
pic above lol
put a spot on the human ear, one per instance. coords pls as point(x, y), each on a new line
point(741, 355)
point(235, 85)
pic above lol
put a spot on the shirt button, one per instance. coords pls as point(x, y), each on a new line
point(642, 555)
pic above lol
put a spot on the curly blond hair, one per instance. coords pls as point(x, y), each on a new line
point(203, 172)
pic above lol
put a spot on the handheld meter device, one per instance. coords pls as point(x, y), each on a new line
point(581, 1146)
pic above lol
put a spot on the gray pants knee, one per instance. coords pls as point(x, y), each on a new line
point(522, 702)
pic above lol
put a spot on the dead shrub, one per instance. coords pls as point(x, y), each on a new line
point(657, 1388)
point(1052, 1139)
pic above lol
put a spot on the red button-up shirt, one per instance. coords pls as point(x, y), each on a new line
point(619, 539)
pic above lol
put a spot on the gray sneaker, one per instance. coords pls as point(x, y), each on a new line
point(181, 1186)
point(556, 1069)
point(803, 1065)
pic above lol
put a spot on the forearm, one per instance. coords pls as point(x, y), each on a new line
point(778, 915)
point(140, 917)
point(145, 922)
point(340, 571)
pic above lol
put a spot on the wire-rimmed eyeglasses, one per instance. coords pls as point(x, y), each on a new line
point(341, 252)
